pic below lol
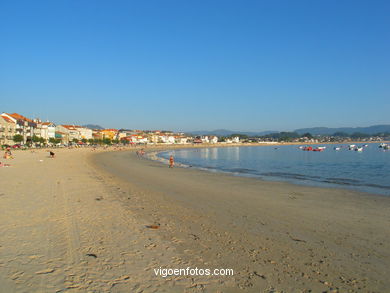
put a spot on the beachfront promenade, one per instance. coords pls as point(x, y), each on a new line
point(82, 223)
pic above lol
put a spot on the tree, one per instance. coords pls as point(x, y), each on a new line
point(359, 135)
point(107, 141)
point(241, 136)
point(84, 140)
point(18, 138)
point(35, 139)
point(340, 134)
point(75, 140)
point(308, 135)
point(91, 141)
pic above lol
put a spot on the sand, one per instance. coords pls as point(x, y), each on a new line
point(79, 223)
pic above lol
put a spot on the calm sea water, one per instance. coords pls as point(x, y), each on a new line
point(367, 171)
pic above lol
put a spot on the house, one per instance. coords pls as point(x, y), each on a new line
point(62, 136)
point(97, 134)
point(51, 129)
point(84, 132)
point(213, 139)
point(109, 133)
point(24, 126)
point(7, 130)
point(235, 139)
point(167, 139)
point(135, 138)
point(181, 140)
point(46, 130)
point(205, 139)
point(69, 133)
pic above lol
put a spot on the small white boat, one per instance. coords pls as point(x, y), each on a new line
point(337, 148)
point(359, 149)
point(321, 147)
point(383, 145)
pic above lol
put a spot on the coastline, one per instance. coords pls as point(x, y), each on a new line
point(294, 237)
point(155, 155)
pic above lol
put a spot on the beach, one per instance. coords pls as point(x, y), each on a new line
point(102, 221)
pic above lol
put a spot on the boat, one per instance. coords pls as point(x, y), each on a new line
point(359, 149)
point(319, 149)
point(337, 148)
point(309, 148)
point(383, 145)
point(352, 147)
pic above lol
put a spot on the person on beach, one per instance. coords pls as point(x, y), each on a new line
point(171, 161)
point(8, 154)
point(52, 154)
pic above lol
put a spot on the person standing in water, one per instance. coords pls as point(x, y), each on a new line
point(171, 161)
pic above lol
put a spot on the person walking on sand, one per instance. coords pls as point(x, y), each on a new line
point(52, 154)
point(171, 161)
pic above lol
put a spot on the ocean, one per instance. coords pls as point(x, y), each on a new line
point(367, 171)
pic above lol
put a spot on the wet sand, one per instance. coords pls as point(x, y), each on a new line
point(78, 223)
point(276, 236)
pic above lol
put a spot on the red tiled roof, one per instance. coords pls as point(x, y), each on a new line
point(20, 117)
point(7, 119)
point(70, 127)
point(115, 130)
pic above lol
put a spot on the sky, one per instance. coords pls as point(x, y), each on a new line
point(197, 65)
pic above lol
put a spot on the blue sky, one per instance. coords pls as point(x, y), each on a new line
point(191, 65)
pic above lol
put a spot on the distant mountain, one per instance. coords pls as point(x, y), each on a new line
point(93, 126)
point(349, 130)
point(225, 132)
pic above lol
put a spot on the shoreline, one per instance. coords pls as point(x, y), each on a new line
point(154, 156)
point(220, 209)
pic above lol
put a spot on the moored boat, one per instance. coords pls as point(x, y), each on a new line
point(359, 149)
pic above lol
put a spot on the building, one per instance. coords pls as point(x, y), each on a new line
point(7, 130)
point(109, 133)
point(68, 133)
point(45, 130)
point(24, 126)
point(84, 132)
point(213, 139)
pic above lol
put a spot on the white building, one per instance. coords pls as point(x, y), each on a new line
point(70, 131)
point(235, 139)
point(213, 139)
point(168, 139)
point(84, 133)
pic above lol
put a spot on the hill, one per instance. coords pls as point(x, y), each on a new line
point(349, 130)
point(93, 126)
point(226, 132)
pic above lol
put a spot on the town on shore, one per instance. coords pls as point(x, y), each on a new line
point(18, 130)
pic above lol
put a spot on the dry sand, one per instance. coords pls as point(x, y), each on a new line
point(77, 223)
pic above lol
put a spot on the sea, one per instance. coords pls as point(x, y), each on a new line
point(367, 171)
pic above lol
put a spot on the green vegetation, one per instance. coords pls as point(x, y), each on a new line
point(18, 138)
point(107, 141)
point(53, 140)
